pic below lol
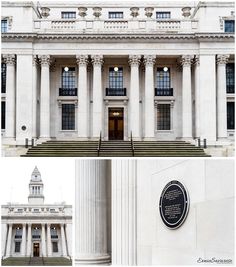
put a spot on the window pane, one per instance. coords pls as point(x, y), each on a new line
point(4, 25)
point(163, 15)
point(115, 15)
point(163, 117)
point(229, 25)
point(3, 115)
point(3, 72)
point(17, 246)
point(68, 78)
point(230, 115)
point(230, 78)
point(54, 247)
point(68, 117)
point(68, 15)
point(163, 78)
point(115, 78)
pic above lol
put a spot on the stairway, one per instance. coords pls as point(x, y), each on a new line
point(36, 261)
point(115, 149)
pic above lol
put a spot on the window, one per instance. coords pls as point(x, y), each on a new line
point(3, 115)
point(4, 72)
point(4, 25)
point(229, 25)
point(68, 78)
point(163, 117)
point(230, 78)
point(18, 232)
point(115, 78)
point(68, 116)
point(115, 15)
point(17, 246)
point(68, 15)
point(36, 232)
point(230, 115)
point(20, 210)
point(36, 210)
point(163, 82)
point(54, 232)
point(163, 15)
point(55, 247)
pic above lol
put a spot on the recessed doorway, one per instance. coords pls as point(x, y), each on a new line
point(116, 123)
point(36, 250)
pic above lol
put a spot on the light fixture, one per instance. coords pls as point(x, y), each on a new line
point(66, 69)
point(165, 69)
point(116, 69)
point(115, 114)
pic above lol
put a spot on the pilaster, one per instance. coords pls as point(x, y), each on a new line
point(28, 252)
point(23, 242)
point(43, 240)
point(63, 241)
point(197, 96)
point(49, 246)
point(9, 238)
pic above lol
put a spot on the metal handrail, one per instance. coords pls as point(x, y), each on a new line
point(99, 143)
point(132, 143)
point(43, 260)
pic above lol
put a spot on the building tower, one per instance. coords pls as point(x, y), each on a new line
point(36, 188)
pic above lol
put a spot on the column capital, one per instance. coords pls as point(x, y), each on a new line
point(9, 59)
point(62, 224)
point(222, 59)
point(97, 60)
point(82, 60)
point(149, 60)
point(29, 224)
point(186, 60)
point(197, 60)
point(134, 60)
point(42, 224)
point(35, 60)
point(44, 60)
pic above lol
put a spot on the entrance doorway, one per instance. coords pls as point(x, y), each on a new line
point(36, 250)
point(116, 123)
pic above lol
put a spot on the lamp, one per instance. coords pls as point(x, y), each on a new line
point(66, 69)
point(165, 69)
point(116, 69)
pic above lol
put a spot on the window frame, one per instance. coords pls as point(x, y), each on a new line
point(68, 13)
point(73, 127)
point(17, 245)
point(3, 115)
point(163, 15)
point(231, 25)
point(230, 120)
point(115, 15)
point(68, 78)
point(53, 247)
point(166, 78)
point(230, 78)
point(4, 25)
point(116, 79)
point(3, 77)
point(164, 123)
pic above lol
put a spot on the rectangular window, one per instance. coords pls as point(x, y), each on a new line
point(3, 25)
point(68, 15)
point(68, 78)
point(54, 232)
point(115, 15)
point(230, 115)
point(36, 232)
point(163, 78)
point(115, 77)
point(163, 15)
point(163, 117)
point(3, 115)
point(230, 78)
point(68, 116)
point(229, 25)
point(3, 72)
point(55, 247)
point(18, 232)
point(17, 247)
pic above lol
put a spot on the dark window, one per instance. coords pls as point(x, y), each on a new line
point(230, 116)
point(115, 15)
point(163, 78)
point(116, 78)
point(54, 232)
point(36, 231)
point(4, 72)
point(17, 246)
point(68, 78)
point(3, 115)
point(18, 231)
point(4, 25)
point(54, 247)
point(229, 25)
point(163, 15)
point(230, 78)
point(163, 117)
point(68, 117)
point(68, 15)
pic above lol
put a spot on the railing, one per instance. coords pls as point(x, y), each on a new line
point(163, 91)
point(230, 89)
point(67, 91)
point(36, 236)
point(54, 236)
point(18, 236)
point(132, 143)
point(115, 24)
point(115, 91)
point(168, 24)
point(99, 144)
point(63, 24)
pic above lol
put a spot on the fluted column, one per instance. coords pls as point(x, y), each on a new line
point(134, 61)
point(91, 212)
point(197, 97)
point(4, 238)
point(124, 212)
point(149, 62)
point(82, 61)
point(68, 231)
point(186, 97)
point(34, 97)
point(9, 237)
point(23, 242)
point(63, 240)
point(97, 61)
point(222, 96)
point(49, 243)
point(43, 240)
point(10, 130)
point(45, 97)
point(29, 241)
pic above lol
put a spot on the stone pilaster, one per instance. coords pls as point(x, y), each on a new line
point(34, 97)
point(43, 240)
point(49, 246)
point(83, 119)
point(197, 96)
point(134, 61)
point(97, 61)
point(9, 238)
point(91, 212)
point(23, 242)
point(149, 61)
point(29, 241)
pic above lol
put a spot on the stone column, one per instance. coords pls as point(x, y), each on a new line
point(63, 240)
point(23, 242)
point(69, 238)
point(134, 61)
point(197, 97)
point(124, 212)
point(82, 122)
point(43, 240)
point(91, 212)
point(34, 97)
point(9, 237)
point(4, 238)
point(10, 131)
point(45, 97)
point(97, 61)
point(222, 96)
point(29, 241)
point(149, 62)
point(186, 98)
point(49, 243)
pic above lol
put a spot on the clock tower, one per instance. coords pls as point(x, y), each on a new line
point(36, 188)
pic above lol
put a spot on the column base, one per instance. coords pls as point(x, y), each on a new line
point(93, 260)
point(153, 138)
point(43, 139)
point(82, 138)
point(8, 141)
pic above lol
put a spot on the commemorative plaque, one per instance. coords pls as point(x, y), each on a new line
point(174, 204)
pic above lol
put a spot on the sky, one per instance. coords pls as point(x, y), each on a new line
point(57, 175)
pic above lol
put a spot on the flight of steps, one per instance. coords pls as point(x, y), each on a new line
point(64, 149)
point(115, 149)
point(36, 261)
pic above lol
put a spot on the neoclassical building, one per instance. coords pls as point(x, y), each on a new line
point(159, 70)
point(118, 219)
point(36, 229)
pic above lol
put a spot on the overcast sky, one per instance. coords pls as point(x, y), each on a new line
point(57, 175)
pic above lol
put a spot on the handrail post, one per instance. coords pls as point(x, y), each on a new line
point(99, 144)
point(132, 144)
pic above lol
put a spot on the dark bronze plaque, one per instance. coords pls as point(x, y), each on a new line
point(174, 204)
